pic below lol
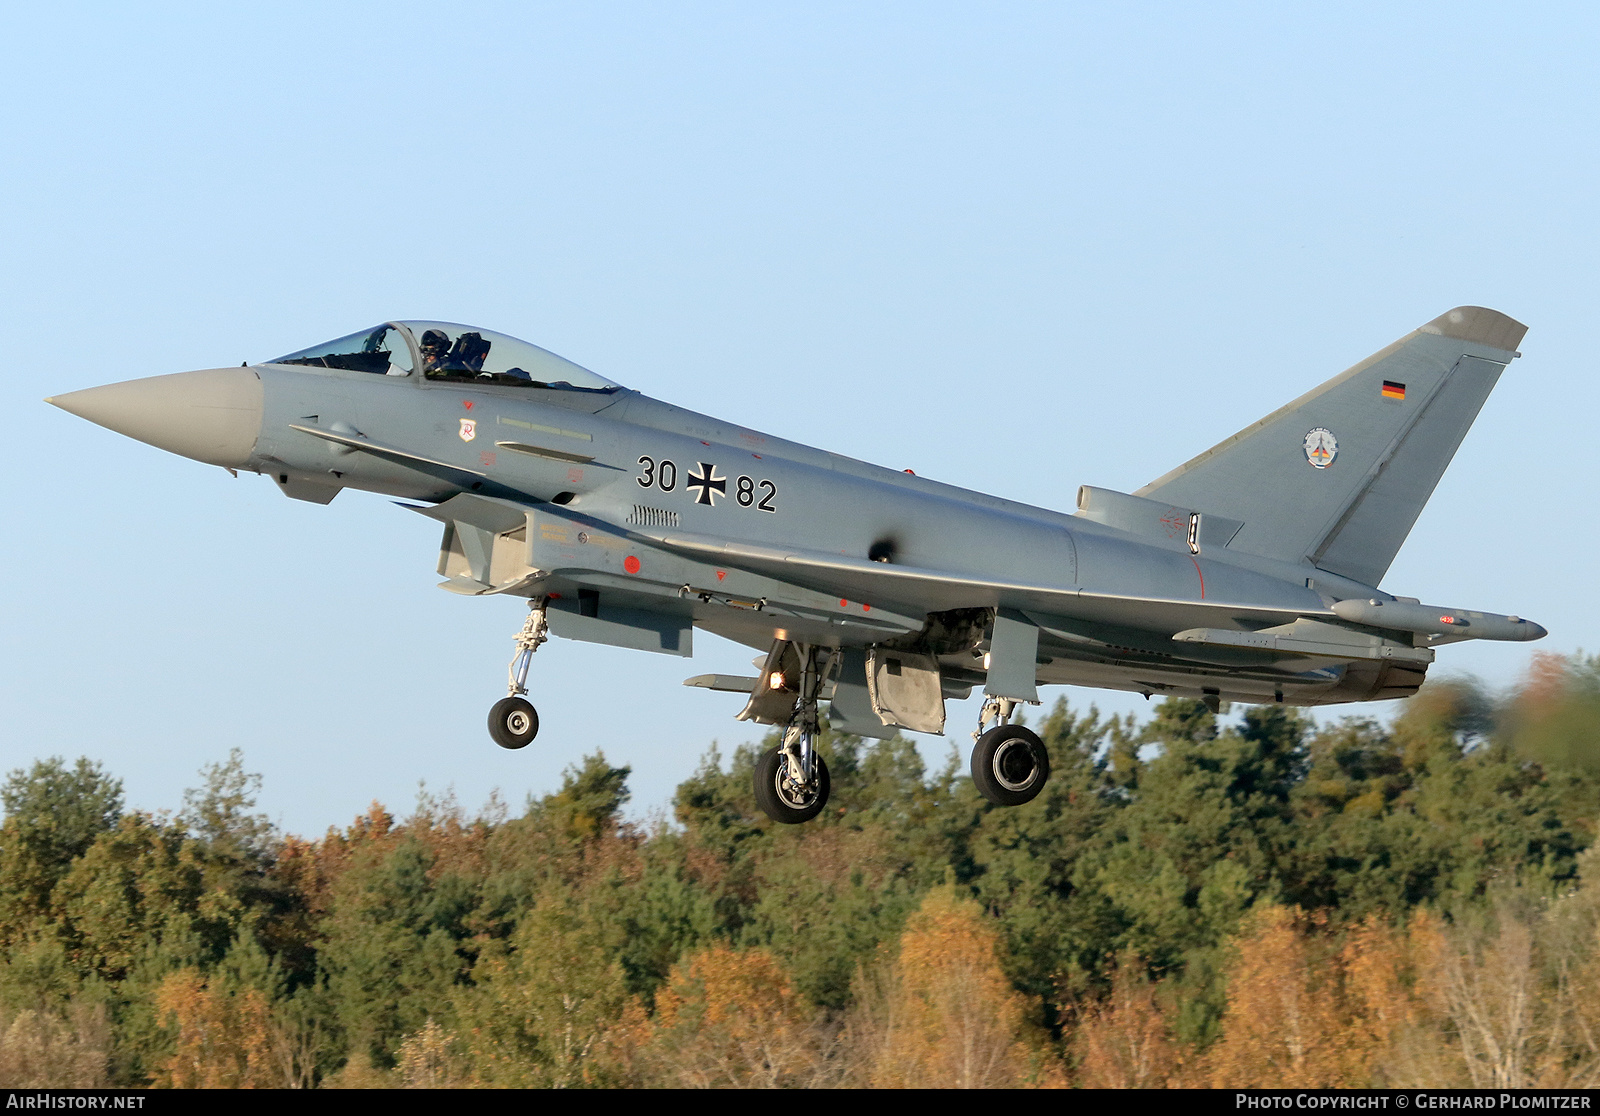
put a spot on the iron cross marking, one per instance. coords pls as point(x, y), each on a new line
point(709, 484)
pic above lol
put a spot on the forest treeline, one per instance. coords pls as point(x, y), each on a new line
point(1267, 903)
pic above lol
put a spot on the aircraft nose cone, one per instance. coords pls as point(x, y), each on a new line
point(212, 416)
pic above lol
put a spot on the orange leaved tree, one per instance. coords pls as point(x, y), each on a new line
point(942, 1013)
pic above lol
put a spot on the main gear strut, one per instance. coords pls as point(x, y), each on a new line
point(791, 780)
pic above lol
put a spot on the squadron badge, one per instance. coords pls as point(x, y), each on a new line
point(469, 429)
point(1320, 445)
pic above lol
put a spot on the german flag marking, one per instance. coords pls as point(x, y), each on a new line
point(1393, 390)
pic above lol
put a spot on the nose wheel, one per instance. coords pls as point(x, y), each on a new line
point(513, 721)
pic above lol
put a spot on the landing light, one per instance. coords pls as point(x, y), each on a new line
point(776, 681)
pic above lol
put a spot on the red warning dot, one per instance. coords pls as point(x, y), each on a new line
point(631, 564)
point(844, 604)
point(866, 608)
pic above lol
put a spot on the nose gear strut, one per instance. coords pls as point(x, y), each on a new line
point(535, 631)
point(513, 722)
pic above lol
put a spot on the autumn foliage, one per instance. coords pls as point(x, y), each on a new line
point(946, 1015)
point(1272, 902)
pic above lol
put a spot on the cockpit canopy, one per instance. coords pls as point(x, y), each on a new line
point(448, 352)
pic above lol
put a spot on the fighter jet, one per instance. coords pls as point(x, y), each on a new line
point(1248, 574)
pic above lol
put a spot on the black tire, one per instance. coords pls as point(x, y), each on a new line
point(513, 723)
point(1010, 765)
point(778, 800)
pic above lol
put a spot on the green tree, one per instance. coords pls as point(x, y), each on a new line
point(53, 813)
point(541, 1009)
point(1202, 839)
point(1432, 811)
point(1031, 858)
point(219, 811)
point(396, 943)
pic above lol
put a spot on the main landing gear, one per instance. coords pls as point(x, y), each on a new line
point(1009, 762)
point(513, 722)
point(791, 781)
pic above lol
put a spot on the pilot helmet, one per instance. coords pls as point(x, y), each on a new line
point(435, 340)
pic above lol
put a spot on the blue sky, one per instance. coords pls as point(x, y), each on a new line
point(1015, 247)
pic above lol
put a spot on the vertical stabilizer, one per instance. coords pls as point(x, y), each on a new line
point(1338, 477)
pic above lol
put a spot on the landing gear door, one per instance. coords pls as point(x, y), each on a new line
point(851, 708)
point(1013, 655)
point(771, 704)
point(905, 690)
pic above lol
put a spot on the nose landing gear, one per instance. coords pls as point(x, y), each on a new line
point(1009, 762)
point(513, 722)
point(791, 781)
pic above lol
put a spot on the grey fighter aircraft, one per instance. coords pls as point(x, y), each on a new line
point(1247, 574)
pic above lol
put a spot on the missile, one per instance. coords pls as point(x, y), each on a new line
point(1460, 623)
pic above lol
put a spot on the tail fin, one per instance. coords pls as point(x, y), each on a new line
point(1338, 477)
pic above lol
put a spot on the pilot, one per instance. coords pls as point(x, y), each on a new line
point(435, 348)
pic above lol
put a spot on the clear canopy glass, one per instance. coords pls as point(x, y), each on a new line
point(457, 352)
point(450, 352)
point(383, 349)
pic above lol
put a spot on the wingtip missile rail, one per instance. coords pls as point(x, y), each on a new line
point(1458, 623)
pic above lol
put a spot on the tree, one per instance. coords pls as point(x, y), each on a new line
point(43, 1049)
point(222, 1038)
point(53, 814)
point(138, 886)
point(396, 942)
point(944, 1014)
point(1432, 811)
point(730, 1019)
point(1205, 836)
point(1124, 1040)
point(218, 811)
point(543, 1008)
point(1284, 1025)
